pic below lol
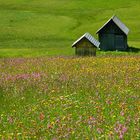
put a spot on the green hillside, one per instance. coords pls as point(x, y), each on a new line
point(48, 27)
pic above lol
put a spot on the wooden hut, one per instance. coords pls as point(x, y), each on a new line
point(86, 45)
point(113, 35)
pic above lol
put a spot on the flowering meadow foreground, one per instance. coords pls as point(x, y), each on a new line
point(70, 98)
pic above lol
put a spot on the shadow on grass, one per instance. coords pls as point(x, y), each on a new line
point(130, 49)
point(133, 49)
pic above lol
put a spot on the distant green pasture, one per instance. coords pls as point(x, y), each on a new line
point(49, 27)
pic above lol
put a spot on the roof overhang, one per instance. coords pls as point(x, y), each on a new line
point(90, 38)
point(118, 22)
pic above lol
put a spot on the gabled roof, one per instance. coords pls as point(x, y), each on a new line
point(117, 21)
point(90, 38)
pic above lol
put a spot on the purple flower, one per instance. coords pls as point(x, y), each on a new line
point(120, 129)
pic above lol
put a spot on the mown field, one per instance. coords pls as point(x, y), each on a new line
point(31, 28)
point(70, 98)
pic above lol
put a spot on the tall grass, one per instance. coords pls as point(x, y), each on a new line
point(70, 98)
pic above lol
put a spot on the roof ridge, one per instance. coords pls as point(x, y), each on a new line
point(118, 22)
point(90, 38)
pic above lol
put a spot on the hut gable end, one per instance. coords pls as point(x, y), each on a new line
point(111, 28)
point(113, 35)
point(86, 45)
point(118, 23)
point(90, 38)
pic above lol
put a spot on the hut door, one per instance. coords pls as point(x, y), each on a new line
point(107, 42)
point(119, 42)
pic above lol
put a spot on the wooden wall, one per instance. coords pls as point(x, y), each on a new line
point(112, 38)
point(85, 48)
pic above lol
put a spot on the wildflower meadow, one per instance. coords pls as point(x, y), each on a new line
point(59, 98)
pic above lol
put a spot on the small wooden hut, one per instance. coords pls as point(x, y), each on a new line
point(86, 45)
point(113, 35)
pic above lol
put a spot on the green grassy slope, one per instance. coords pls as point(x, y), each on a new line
point(46, 27)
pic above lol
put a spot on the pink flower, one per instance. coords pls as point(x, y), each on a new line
point(120, 129)
point(122, 113)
